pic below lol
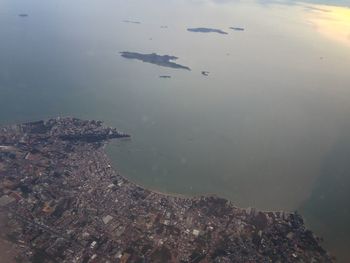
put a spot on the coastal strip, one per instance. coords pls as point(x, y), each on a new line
point(65, 203)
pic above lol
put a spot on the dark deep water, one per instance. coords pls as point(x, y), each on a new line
point(268, 127)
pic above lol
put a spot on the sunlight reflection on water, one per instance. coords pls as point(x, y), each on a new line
point(331, 21)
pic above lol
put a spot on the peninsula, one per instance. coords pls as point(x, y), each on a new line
point(63, 202)
point(160, 60)
point(206, 30)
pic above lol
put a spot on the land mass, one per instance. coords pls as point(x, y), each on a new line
point(160, 60)
point(63, 202)
point(206, 30)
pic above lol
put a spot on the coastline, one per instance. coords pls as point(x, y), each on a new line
point(195, 197)
point(76, 206)
point(189, 196)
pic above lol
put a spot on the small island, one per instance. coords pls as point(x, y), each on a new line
point(165, 77)
point(23, 15)
point(131, 22)
point(237, 28)
point(160, 60)
point(206, 30)
point(62, 201)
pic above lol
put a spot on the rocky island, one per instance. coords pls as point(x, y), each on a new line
point(160, 60)
point(206, 30)
point(61, 201)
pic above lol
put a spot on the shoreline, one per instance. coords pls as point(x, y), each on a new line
point(198, 196)
point(58, 183)
point(190, 196)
